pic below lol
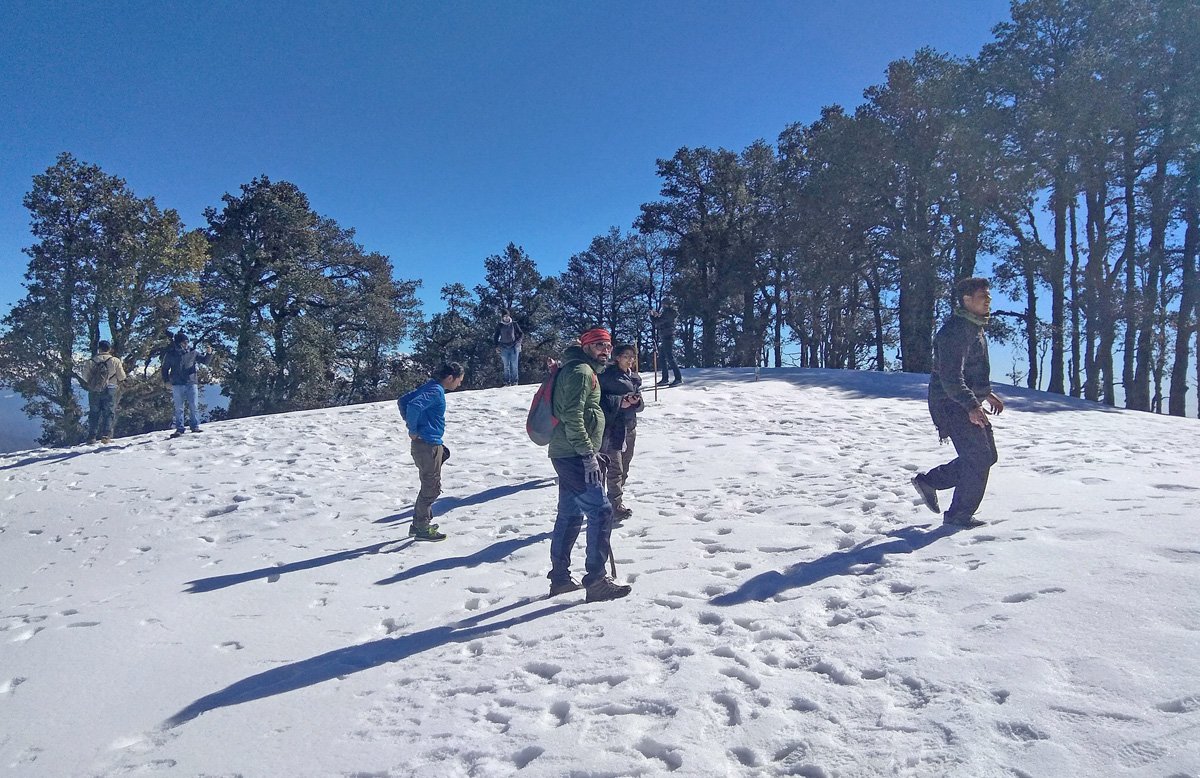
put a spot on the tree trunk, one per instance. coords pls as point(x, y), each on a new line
point(1076, 386)
point(1189, 293)
point(1056, 279)
point(1160, 214)
point(1130, 258)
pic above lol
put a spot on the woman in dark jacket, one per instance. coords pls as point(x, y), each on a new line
point(621, 400)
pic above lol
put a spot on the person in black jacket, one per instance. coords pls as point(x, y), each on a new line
point(664, 327)
point(960, 399)
point(179, 372)
point(621, 401)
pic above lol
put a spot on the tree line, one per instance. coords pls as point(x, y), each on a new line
point(1063, 160)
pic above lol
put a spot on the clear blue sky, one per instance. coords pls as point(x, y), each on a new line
point(440, 131)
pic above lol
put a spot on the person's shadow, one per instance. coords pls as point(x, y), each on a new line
point(272, 573)
point(446, 504)
point(862, 559)
point(493, 553)
point(353, 659)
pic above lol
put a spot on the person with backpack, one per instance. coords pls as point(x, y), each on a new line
point(508, 337)
point(103, 374)
point(664, 326)
point(424, 410)
point(179, 371)
point(960, 399)
point(574, 450)
point(621, 399)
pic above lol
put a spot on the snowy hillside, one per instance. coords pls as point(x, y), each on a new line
point(245, 601)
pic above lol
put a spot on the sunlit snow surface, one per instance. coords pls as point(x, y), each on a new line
point(245, 601)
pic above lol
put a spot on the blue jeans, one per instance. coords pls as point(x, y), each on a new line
point(575, 500)
point(510, 357)
point(188, 394)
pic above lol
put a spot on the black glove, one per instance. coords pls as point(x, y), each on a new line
point(445, 453)
point(591, 470)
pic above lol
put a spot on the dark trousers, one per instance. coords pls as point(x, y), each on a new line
point(618, 468)
point(102, 413)
point(667, 356)
point(428, 457)
point(577, 499)
point(967, 475)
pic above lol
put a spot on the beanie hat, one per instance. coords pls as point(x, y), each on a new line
point(180, 337)
point(597, 335)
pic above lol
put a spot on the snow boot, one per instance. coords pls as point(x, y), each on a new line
point(562, 587)
point(607, 589)
point(426, 532)
point(967, 522)
point(928, 493)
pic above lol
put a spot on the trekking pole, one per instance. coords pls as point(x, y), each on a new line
point(654, 360)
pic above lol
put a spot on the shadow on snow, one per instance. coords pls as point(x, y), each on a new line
point(493, 553)
point(272, 573)
point(353, 659)
point(845, 562)
point(447, 504)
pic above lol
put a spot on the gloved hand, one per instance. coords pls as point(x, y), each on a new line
point(445, 453)
point(591, 470)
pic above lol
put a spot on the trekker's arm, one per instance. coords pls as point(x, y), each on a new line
point(417, 407)
point(120, 374)
point(996, 405)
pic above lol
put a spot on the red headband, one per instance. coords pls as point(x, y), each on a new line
point(598, 335)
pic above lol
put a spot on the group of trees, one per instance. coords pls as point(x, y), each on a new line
point(1063, 160)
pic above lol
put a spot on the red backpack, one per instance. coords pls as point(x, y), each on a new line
point(541, 421)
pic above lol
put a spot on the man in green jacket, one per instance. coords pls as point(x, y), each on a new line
point(574, 445)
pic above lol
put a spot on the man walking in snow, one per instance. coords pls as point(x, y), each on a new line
point(104, 373)
point(507, 338)
point(574, 446)
point(180, 373)
point(960, 399)
point(424, 410)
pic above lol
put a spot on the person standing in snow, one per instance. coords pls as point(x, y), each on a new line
point(575, 454)
point(104, 373)
point(664, 326)
point(424, 410)
point(180, 373)
point(621, 400)
point(507, 338)
point(960, 399)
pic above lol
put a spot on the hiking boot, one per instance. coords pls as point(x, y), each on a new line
point(90, 441)
point(426, 532)
point(195, 429)
point(621, 512)
point(676, 382)
point(178, 433)
point(106, 441)
point(562, 587)
point(928, 493)
point(962, 521)
point(607, 589)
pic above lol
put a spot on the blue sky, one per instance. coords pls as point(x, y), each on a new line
point(440, 131)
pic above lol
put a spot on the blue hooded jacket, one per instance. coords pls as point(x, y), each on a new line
point(425, 411)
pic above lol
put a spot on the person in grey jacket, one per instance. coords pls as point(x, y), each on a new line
point(960, 399)
point(179, 372)
point(104, 373)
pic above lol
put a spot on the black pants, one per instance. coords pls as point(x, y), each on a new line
point(667, 354)
point(967, 475)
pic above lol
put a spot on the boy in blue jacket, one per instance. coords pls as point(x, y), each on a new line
point(424, 410)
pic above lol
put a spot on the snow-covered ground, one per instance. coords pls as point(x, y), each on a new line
point(245, 601)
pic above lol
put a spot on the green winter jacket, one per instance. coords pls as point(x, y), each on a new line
point(580, 425)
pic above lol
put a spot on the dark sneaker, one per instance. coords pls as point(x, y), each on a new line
point(621, 512)
point(90, 441)
point(195, 429)
point(663, 382)
point(562, 587)
point(928, 493)
point(962, 521)
point(427, 532)
point(106, 441)
point(607, 589)
point(676, 382)
point(178, 433)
